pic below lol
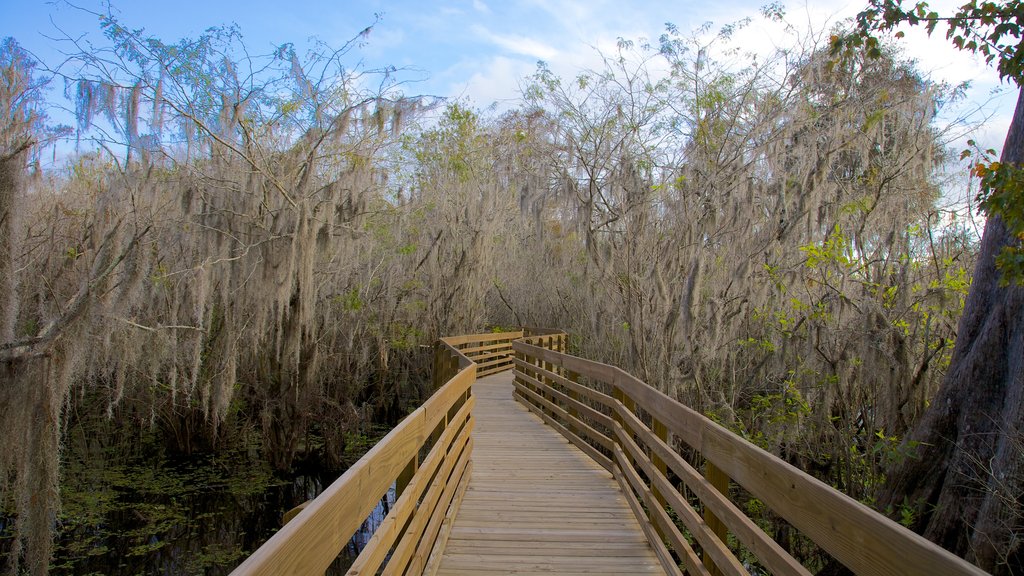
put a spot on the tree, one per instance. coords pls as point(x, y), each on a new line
point(190, 268)
point(29, 414)
point(964, 483)
point(754, 241)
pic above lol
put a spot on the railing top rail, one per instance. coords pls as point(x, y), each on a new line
point(454, 341)
point(530, 331)
point(311, 540)
point(464, 361)
point(860, 538)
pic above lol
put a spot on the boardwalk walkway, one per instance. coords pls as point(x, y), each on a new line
point(536, 504)
point(487, 487)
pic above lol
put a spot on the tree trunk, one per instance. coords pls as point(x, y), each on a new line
point(12, 170)
point(964, 481)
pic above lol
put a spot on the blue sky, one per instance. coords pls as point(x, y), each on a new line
point(481, 49)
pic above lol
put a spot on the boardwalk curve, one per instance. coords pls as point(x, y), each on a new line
point(527, 459)
point(536, 504)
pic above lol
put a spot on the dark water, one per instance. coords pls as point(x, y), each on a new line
point(156, 515)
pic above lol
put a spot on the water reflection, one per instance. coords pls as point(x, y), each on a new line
point(200, 516)
point(362, 536)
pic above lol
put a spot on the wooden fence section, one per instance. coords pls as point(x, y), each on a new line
point(636, 433)
point(536, 504)
point(492, 353)
point(426, 459)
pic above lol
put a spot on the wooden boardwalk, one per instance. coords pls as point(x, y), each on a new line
point(486, 487)
point(535, 504)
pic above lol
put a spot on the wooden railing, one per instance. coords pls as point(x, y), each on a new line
point(491, 352)
point(640, 436)
point(425, 458)
point(677, 469)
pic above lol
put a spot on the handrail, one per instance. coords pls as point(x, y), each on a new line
point(492, 353)
point(426, 458)
point(631, 429)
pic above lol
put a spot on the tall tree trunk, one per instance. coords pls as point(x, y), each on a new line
point(12, 169)
point(965, 481)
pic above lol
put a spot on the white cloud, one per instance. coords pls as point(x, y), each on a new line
point(516, 44)
point(383, 41)
point(571, 35)
point(574, 16)
point(496, 79)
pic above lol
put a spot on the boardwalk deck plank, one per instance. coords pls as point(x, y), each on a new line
point(536, 504)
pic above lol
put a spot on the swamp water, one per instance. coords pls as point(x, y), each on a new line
point(161, 516)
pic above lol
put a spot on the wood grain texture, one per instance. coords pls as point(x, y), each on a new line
point(376, 550)
point(537, 505)
point(503, 493)
point(475, 339)
point(310, 542)
point(863, 540)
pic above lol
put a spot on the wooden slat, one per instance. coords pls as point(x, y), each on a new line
point(383, 539)
point(572, 403)
point(504, 354)
point(452, 357)
point(494, 362)
point(712, 544)
point(668, 529)
point(407, 547)
point(312, 540)
point(839, 524)
point(593, 370)
point(434, 562)
point(492, 371)
point(587, 449)
point(553, 409)
point(622, 475)
point(589, 393)
point(762, 546)
point(535, 504)
point(429, 540)
point(485, 337)
point(505, 347)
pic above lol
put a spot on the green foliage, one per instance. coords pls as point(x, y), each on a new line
point(991, 29)
point(908, 514)
point(834, 250)
point(771, 419)
point(406, 337)
point(996, 32)
point(138, 508)
point(350, 301)
point(1002, 195)
point(452, 145)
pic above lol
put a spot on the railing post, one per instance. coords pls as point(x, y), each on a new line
point(453, 367)
point(626, 400)
point(720, 481)
point(539, 377)
point(438, 372)
point(661, 431)
point(573, 413)
point(550, 367)
point(439, 430)
point(619, 395)
point(515, 372)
